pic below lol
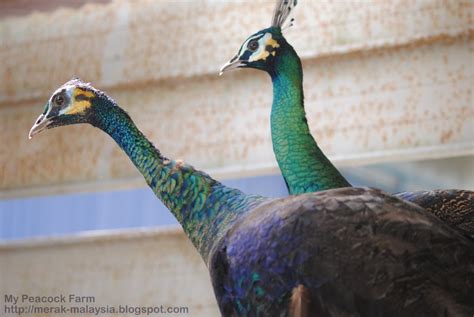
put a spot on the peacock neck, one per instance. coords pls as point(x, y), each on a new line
point(203, 206)
point(304, 166)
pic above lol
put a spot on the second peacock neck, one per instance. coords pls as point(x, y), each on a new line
point(204, 207)
point(304, 166)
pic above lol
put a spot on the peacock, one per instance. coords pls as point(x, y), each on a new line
point(348, 251)
point(304, 166)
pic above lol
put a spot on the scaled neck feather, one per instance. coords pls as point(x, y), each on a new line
point(204, 207)
point(304, 166)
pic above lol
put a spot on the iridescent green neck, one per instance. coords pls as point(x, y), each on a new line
point(203, 206)
point(304, 166)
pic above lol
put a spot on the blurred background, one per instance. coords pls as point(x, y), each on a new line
point(388, 92)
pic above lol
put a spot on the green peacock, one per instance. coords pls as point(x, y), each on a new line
point(348, 251)
point(304, 166)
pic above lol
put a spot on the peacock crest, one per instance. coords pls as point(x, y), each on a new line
point(281, 13)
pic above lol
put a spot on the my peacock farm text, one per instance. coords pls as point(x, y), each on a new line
point(62, 304)
point(61, 298)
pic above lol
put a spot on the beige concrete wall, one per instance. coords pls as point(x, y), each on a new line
point(384, 81)
point(141, 269)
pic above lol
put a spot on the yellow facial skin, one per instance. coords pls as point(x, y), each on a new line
point(271, 42)
point(262, 53)
point(81, 100)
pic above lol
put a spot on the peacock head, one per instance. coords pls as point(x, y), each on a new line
point(72, 103)
point(261, 49)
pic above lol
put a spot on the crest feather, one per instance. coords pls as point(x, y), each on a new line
point(282, 11)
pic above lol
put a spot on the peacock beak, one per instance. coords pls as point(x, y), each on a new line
point(233, 63)
point(41, 124)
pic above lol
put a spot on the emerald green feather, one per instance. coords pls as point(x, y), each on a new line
point(304, 166)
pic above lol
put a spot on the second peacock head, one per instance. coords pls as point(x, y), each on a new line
point(72, 103)
point(261, 49)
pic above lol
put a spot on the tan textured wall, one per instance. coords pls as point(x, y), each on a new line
point(139, 268)
point(384, 81)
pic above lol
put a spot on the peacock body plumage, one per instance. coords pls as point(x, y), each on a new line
point(344, 252)
point(304, 166)
point(352, 251)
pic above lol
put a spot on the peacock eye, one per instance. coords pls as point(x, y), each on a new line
point(59, 100)
point(253, 45)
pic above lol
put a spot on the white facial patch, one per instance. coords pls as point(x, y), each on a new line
point(69, 91)
point(261, 52)
point(263, 42)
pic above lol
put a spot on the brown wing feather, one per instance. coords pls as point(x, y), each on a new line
point(455, 207)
